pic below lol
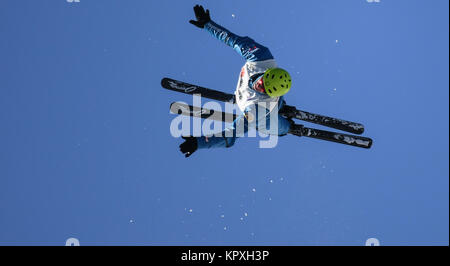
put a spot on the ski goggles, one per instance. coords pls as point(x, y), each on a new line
point(259, 85)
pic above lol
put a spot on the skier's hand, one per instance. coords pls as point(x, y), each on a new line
point(189, 146)
point(202, 16)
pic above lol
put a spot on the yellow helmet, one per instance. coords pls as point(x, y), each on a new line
point(277, 82)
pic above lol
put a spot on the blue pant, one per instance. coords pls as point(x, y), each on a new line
point(241, 125)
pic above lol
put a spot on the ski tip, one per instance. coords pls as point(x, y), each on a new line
point(360, 130)
point(163, 80)
point(370, 143)
point(178, 108)
point(365, 143)
point(355, 128)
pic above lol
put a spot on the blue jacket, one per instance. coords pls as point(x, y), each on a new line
point(244, 46)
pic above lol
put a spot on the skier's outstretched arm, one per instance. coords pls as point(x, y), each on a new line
point(244, 46)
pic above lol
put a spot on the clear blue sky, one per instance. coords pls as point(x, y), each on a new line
point(86, 150)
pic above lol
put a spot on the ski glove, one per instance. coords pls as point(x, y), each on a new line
point(189, 146)
point(202, 17)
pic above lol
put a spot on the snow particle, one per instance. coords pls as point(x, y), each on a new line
point(271, 181)
point(245, 214)
point(233, 15)
point(222, 216)
point(225, 228)
point(254, 189)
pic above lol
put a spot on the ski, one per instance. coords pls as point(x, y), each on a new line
point(188, 110)
point(352, 140)
point(292, 112)
point(287, 110)
point(187, 88)
point(297, 130)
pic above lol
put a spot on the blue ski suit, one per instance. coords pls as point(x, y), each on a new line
point(258, 60)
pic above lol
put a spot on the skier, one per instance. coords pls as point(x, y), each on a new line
point(260, 81)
